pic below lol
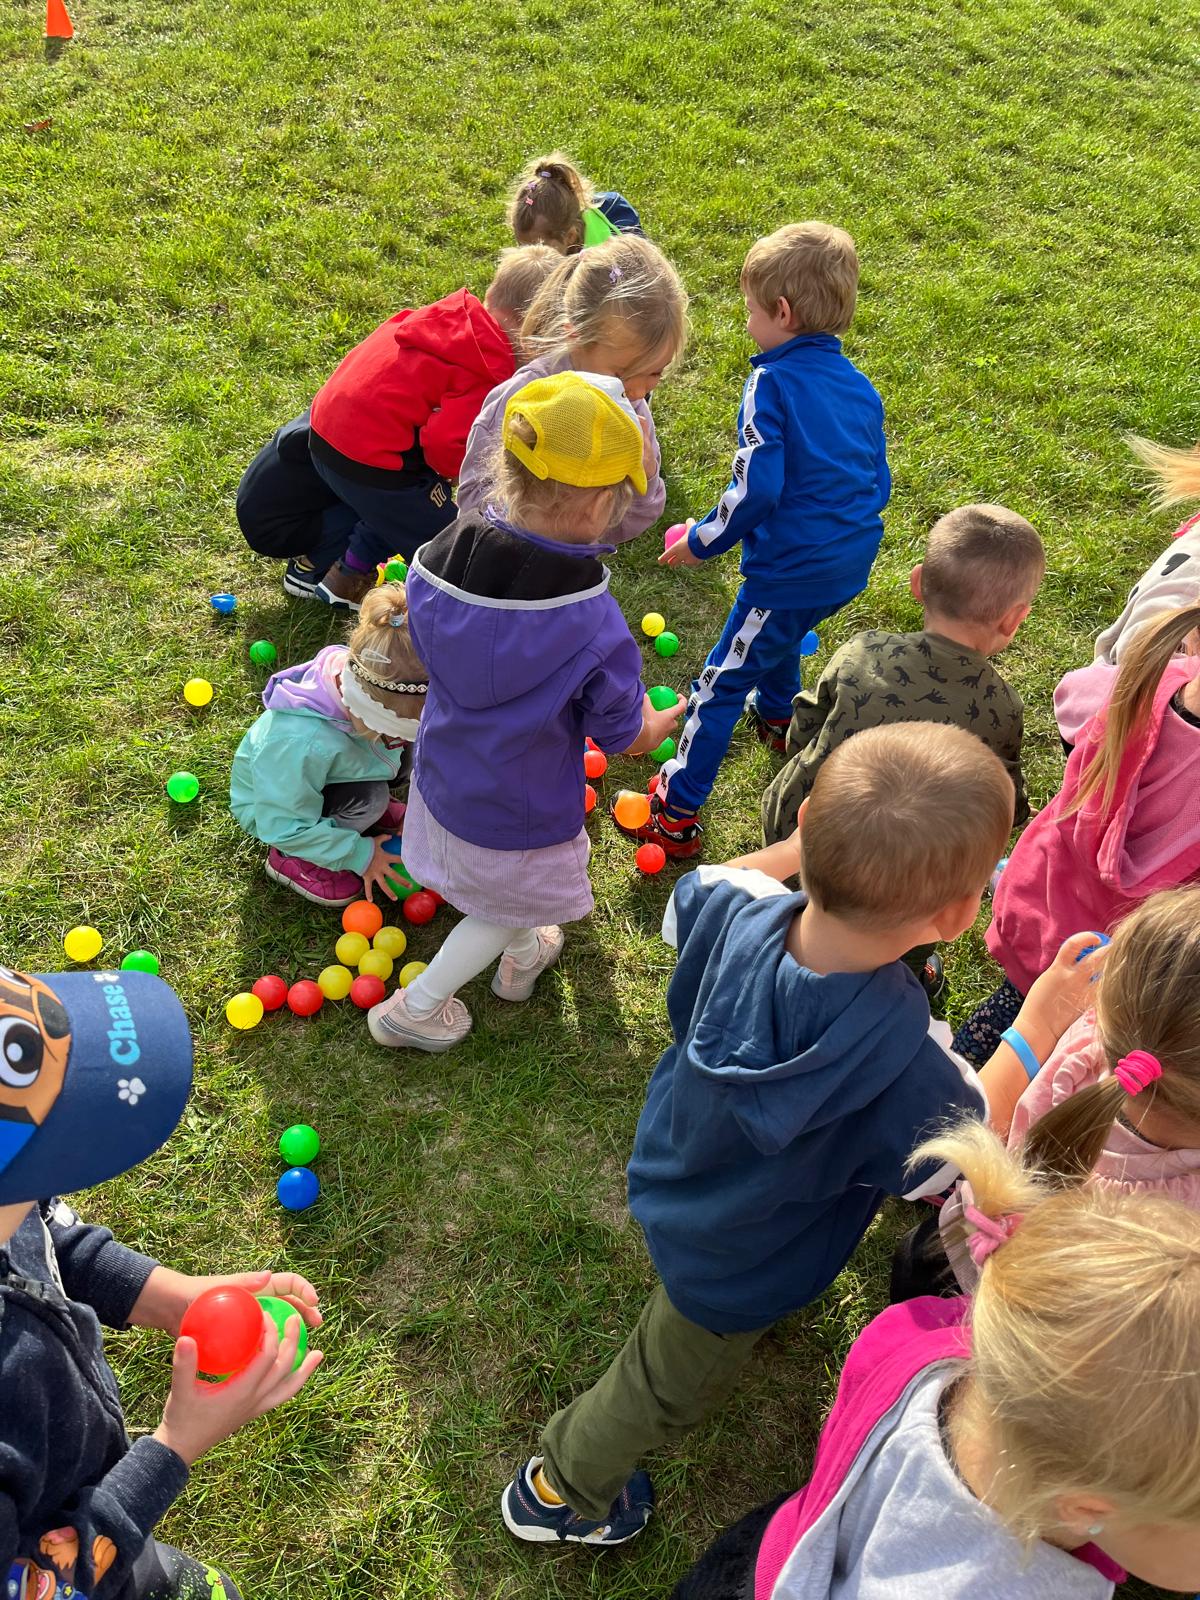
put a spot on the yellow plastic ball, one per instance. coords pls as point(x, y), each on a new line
point(334, 982)
point(197, 691)
point(244, 1011)
point(391, 941)
point(375, 964)
point(653, 624)
point(83, 943)
point(411, 971)
point(351, 948)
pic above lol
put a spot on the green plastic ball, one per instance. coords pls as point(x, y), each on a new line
point(183, 787)
point(664, 751)
point(263, 653)
point(299, 1144)
point(396, 571)
point(661, 697)
point(667, 643)
point(279, 1311)
point(140, 961)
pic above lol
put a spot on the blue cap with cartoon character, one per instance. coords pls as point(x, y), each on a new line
point(95, 1070)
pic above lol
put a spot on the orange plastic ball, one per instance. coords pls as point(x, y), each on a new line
point(651, 858)
point(595, 763)
point(362, 917)
point(589, 798)
point(631, 810)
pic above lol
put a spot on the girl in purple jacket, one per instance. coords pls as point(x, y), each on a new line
point(527, 655)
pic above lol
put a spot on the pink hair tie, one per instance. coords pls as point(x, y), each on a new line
point(990, 1232)
point(1136, 1070)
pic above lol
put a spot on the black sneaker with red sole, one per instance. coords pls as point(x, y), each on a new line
point(772, 734)
point(680, 837)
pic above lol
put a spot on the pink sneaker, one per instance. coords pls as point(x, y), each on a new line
point(318, 884)
point(516, 983)
point(393, 1024)
point(392, 820)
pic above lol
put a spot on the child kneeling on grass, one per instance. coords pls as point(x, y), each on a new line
point(95, 1070)
point(802, 1075)
point(311, 777)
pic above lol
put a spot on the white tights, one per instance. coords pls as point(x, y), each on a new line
point(473, 945)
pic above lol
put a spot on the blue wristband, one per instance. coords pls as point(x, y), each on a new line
point(1020, 1048)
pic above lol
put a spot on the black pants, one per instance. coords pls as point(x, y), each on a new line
point(726, 1569)
point(920, 1265)
point(355, 805)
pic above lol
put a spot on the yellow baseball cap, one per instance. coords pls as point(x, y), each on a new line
point(586, 432)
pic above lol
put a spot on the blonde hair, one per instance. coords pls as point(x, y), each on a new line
point(625, 285)
point(1177, 471)
point(811, 265)
point(1142, 665)
point(902, 821)
point(382, 649)
point(1085, 1341)
point(980, 561)
point(519, 275)
point(522, 491)
point(548, 202)
point(1149, 999)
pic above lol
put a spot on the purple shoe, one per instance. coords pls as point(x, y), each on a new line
point(318, 884)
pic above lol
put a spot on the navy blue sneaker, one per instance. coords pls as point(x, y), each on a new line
point(300, 579)
point(528, 1517)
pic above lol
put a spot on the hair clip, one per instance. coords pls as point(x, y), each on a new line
point(990, 1232)
point(1137, 1070)
point(615, 274)
point(542, 173)
point(398, 619)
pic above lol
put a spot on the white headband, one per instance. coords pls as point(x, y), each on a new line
point(373, 713)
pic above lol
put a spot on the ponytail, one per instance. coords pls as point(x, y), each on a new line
point(548, 203)
point(1177, 471)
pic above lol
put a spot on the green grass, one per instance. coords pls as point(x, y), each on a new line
point(228, 197)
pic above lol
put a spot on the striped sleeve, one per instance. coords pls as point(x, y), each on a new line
point(757, 482)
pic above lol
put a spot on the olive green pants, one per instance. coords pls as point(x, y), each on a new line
point(668, 1376)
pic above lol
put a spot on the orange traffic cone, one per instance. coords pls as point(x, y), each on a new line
point(58, 23)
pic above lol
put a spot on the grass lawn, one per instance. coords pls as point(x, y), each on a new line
point(227, 198)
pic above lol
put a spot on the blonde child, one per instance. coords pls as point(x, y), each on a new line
point(553, 203)
point(1125, 823)
point(1035, 1443)
point(311, 777)
point(527, 653)
point(618, 310)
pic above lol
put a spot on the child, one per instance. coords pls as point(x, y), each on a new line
point(983, 566)
point(618, 310)
point(527, 653)
point(311, 778)
point(810, 480)
point(554, 204)
point(365, 473)
point(1030, 1445)
point(94, 1075)
point(1125, 822)
point(801, 1076)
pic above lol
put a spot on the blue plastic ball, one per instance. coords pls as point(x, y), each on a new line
point(297, 1189)
point(810, 644)
point(224, 603)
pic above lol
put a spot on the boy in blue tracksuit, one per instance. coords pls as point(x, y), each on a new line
point(810, 479)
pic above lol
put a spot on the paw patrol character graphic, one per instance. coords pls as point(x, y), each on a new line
point(35, 1040)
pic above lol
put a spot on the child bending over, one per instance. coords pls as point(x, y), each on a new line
point(553, 203)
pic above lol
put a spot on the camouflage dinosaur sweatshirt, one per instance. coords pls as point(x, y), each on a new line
point(879, 678)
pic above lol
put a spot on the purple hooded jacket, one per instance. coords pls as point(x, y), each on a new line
point(527, 652)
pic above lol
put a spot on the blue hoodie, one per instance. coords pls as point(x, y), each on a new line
point(810, 478)
point(781, 1117)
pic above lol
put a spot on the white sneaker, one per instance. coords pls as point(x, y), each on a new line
point(513, 982)
point(392, 1024)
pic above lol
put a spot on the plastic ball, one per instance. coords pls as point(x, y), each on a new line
point(420, 907)
point(351, 948)
point(334, 983)
point(280, 1313)
point(673, 534)
point(305, 998)
point(414, 969)
point(362, 917)
point(83, 943)
point(651, 858)
point(263, 653)
point(662, 697)
point(653, 624)
point(396, 570)
point(402, 880)
point(227, 1325)
point(995, 878)
point(271, 990)
point(391, 940)
point(590, 744)
point(810, 643)
point(375, 964)
point(224, 603)
point(140, 961)
point(183, 787)
point(367, 992)
point(435, 897)
point(244, 1011)
point(299, 1144)
point(297, 1189)
point(197, 691)
point(663, 751)
point(595, 763)
point(632, 810)
point(589, 799)
point(667, 644)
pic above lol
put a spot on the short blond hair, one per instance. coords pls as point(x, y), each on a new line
point(624, 285)
point(980, 561)
point(811, 265)
point(520, 273)
point(902, 821)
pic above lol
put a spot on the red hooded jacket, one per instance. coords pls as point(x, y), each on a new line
point(407, 395)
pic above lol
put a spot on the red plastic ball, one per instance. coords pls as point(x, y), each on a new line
point(595, 763)
point(272, 991)
point(651, 858)
point(589, 798)
point(367, 991)
point(652, 786)
point(227, 1325)
point(591, 744)
point(305, 998)
point(435, 897)
point(420, 907)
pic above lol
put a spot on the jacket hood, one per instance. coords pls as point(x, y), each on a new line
point(459, 331)
point(308, 687)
